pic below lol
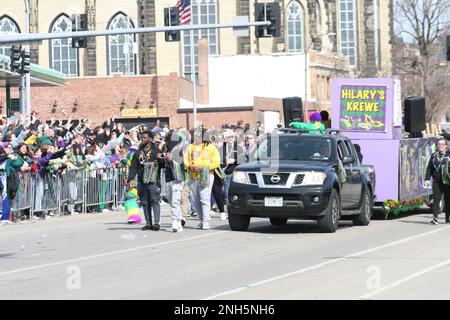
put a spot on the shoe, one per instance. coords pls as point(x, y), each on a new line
point(183, 222)
point(147, 227)
point(434, 221)
point(199, 226)
point(206, 226)
point(106, 210)
point(194, 214)
point(223, 216)
point(156, 227)
point(176, 226)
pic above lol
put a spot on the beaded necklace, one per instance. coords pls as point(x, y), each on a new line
point(440, 161)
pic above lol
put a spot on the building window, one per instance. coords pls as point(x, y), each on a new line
point(295, 20)
point(319, 18)
point(203, 12)
point(347, 23)
point(63, 57)
point(121, 56)
point(7, 26)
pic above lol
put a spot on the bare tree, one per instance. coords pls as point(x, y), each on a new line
point(425, 23)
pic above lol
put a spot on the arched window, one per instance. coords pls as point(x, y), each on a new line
point(202, 12)
point(295, 20)
point(63, 57)
point(319, 18)
point(347, 22)
point(121, 56)
point(7, 26)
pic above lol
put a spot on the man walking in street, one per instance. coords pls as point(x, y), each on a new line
point(146, 163)
point(202, 158)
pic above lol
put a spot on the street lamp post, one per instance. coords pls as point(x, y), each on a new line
point(305, 112)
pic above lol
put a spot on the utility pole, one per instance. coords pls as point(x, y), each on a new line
point(27, 110)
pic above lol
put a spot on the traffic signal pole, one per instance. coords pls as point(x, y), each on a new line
point(26, 38)
point(27, 109)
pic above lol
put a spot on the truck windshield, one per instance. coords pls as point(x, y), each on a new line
point(296, 148)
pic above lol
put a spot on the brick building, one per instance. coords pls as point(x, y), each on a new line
point(143, 72)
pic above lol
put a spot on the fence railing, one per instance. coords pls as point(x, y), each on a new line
point(65, 192)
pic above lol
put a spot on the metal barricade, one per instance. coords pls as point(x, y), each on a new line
point(121, 177)
point(23, 199)
point(100, 189)
point(46, 195)
point(72, 190)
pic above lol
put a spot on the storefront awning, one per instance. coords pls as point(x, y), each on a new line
point(39, 76)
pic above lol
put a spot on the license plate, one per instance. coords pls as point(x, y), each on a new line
point(273, 202)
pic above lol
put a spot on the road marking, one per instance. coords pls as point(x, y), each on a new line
point(106, 254)
point(317, 266)
point(404, 280)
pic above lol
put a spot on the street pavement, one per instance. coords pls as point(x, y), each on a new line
point(99, 256)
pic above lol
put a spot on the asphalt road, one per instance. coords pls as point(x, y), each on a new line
point(101, 257)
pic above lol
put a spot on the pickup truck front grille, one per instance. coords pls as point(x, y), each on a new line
point(273, 180)
point(252, 178)
point(299, 179)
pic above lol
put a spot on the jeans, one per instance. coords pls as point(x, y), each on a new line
point(193, 207)
point(149, 196)
point(202, 199)
point(174, 190)
point(217, 191)
point(226, 187)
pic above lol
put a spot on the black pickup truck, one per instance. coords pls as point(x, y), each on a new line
point(304, 176)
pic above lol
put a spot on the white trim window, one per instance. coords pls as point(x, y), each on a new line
point(347, 23)
point(202, 12)
point(121, 56)
point(7, 26)
point(295, 27)
point(63, 57)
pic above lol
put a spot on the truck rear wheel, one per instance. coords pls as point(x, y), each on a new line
point(363, 218)
point(329, 223)
point(238, 222)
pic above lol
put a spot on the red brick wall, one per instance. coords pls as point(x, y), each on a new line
point(217, 119)
point(100, 97)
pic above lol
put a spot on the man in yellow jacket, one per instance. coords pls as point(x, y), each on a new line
point(201, 158)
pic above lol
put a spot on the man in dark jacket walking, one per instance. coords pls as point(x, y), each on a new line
point(439, 161)
point(147, 163)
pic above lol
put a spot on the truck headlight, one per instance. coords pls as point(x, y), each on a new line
point(240, 177)
point(314, 178)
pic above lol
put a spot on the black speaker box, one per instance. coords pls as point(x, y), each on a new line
point(414, 114)
point(292, 110)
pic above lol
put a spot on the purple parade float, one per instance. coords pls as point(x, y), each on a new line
point(369, 112)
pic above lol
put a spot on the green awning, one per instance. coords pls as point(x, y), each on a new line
point(39, 76)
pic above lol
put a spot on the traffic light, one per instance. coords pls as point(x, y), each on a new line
point(15, 58)
point(79, 23)
point(25, 64)
point(268, 12)
point(448, 48)
point(172, 19)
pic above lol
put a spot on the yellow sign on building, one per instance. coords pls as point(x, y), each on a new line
point(139, 112)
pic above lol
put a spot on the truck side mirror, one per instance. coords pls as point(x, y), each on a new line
point(348, 160)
